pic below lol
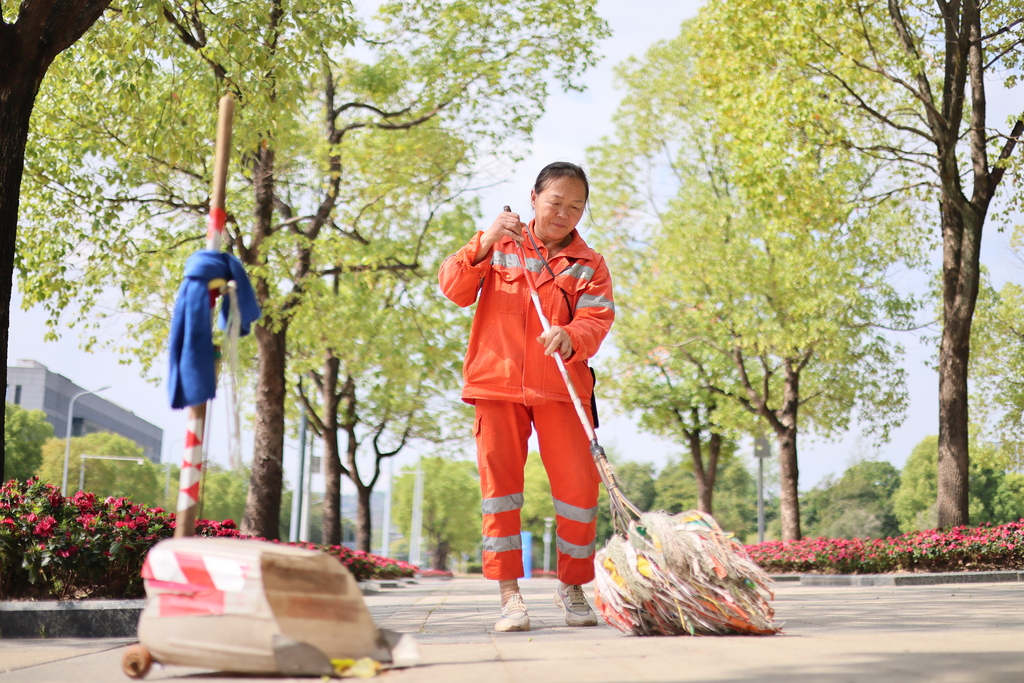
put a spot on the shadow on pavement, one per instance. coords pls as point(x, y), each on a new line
point(951, 667)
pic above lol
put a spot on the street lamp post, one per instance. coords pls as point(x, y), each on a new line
point(67, 438)
point(81, 470)
point(416, 532)
point(762, 450)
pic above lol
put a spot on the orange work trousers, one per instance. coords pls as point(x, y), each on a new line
point(502, 430)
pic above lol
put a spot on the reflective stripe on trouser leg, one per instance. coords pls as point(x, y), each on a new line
point(565, 449)
point(502, 430)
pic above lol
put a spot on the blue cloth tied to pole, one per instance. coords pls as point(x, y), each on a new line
point(193, 379)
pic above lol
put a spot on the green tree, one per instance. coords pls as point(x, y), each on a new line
point(997, 365)
point(451, 506)
point(323, 97)
point(25, 432)
point(32, 34)
point(376, 354)
point(735, 490)
point(736, 301)
point(537, 501)
point(637, 483)
point(142, 484)
point(903, 84)
point(858, 504)
point(997, 496)
point(224, 492)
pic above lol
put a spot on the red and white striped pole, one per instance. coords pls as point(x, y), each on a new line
point(195, 429)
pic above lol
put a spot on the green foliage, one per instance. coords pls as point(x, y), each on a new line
point(352, 142)
point(723, 281)
point(451, 503)
point(637, 482)
point(753, 266)
point(735, 491)
point(995, 495)
point(223, 494)
point(858, 504)
point(997, 364)
point(537, 502)
point(142, 484)
point(373, 126)
point(25, 432)
point(914, 502)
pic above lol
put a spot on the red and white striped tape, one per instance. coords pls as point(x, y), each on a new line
point(215, 228)
point(187, 584)
point(191, 464)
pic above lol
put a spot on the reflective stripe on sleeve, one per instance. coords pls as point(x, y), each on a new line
point(594, 301)
point(506, 260)
point(500, 258)
point(580, 552)
point(491, 506)
point(576, 514)
point(501, 544)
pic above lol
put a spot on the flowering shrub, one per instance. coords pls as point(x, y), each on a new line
point(435, 574)
point(84, 547)
point(985, 547)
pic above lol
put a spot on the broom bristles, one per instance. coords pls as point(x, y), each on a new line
point(678, 574)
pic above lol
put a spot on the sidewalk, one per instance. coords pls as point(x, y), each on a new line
point(955, 633)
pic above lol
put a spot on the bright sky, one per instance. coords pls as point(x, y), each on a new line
point(573, 123)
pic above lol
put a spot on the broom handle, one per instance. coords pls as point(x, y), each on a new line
point(546, 324)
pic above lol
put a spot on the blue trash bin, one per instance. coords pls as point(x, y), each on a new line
point(527, 537)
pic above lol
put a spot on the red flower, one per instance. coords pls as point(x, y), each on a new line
point(45, 527)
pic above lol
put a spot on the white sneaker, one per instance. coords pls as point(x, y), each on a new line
point(574, 603)
point(513, 616)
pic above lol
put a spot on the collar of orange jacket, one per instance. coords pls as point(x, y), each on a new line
point(576, 249)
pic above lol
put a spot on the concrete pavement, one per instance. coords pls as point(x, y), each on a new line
point(946, 633)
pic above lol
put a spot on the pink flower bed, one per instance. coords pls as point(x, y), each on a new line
point(984, 547)
point(435, 574)
point(52, 547)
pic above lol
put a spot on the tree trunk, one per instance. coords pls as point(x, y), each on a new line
point(331, 525)
point(789, 473)
point(960, 273)
point(364, 523)
point(15, 110)
point(439, 560)
point(704, 473)
point(263, 503)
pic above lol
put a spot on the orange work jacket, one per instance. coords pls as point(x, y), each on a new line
point(504, 361)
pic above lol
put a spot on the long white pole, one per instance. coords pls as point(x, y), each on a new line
point(307, 476)
point(385, 527)
point(416, 535)
point(297, 497)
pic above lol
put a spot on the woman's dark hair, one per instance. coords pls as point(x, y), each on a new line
point(561, 169)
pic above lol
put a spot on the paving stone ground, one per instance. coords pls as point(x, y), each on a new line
point(945, 633)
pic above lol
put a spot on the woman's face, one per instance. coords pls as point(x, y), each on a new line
point(558, 207)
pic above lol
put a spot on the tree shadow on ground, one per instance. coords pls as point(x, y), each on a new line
point(934, 667)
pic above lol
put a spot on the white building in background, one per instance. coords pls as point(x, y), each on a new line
point(33, 387)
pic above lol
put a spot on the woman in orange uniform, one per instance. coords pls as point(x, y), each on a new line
point(515, 384)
